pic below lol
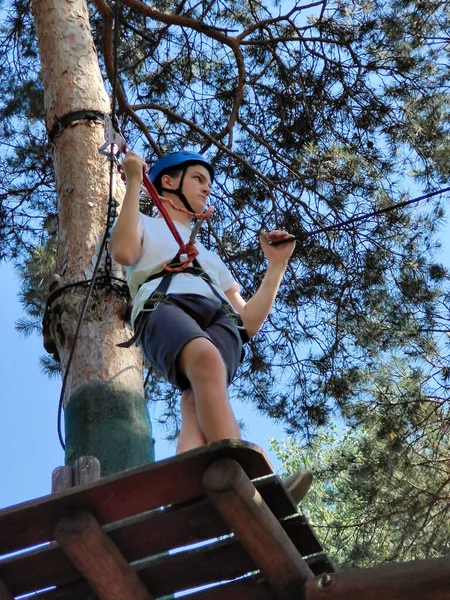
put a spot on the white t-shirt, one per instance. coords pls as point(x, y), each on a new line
point(158, 247)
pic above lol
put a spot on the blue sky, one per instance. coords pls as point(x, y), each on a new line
point(29, 447)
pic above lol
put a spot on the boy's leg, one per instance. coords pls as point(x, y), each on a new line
point(191, 435)
point(203, 365)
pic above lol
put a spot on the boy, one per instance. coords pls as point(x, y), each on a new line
point(191, 335)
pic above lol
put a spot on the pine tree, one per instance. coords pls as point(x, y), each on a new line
point(105, 412)
point(311, 115)
point(376, 497)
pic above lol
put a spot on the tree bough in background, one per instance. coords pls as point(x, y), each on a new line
point(376, 499)
point(311, 113)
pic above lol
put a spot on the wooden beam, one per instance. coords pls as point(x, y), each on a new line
point(152, 533)
point(168, 481)
point(417, 580)
point(5, 594)
point(98, 559)
point(255, 526)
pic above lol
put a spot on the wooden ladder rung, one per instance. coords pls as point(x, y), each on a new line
point(255, 526)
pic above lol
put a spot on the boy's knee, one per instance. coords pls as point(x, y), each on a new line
point(202, 356)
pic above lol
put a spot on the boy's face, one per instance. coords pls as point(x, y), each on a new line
point(196, 186)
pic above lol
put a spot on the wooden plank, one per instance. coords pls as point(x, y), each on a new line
point(301, 533)
point(5, 594)
point(221, 561)
point(98, 559)
point(248, 588)
point(86, 470)
point(320, 563)
point(76, 591)
point(153, 533)
point(62, 479)
point(417, 580)
point(138, 538)
point(116, 497)
point(251, 520)
point(38, 569)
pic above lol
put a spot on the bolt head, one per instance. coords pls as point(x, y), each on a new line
point(325, 581)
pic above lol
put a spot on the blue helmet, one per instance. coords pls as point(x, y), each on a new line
point(178, 159)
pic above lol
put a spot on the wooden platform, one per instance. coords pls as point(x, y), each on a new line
point(182, 523)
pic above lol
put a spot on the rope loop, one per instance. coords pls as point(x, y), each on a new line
point(203, 215)
point(190, 251)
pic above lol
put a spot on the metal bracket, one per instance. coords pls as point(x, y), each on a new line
point(112, 138)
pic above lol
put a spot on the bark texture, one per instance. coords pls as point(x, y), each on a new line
point(73, 82)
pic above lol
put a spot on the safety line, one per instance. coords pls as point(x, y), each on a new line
point(307, 234)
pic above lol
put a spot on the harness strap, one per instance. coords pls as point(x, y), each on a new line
point(188, 248)
point(160, 294)
point(160, 206)
point(179, 192)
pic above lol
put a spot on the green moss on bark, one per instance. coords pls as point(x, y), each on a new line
point(110, 423)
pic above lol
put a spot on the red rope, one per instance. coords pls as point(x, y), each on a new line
point(188, 249)
point(162, 209)
point(203, 215)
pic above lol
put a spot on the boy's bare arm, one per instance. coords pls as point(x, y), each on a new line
point(126, 240)
point(256, 310)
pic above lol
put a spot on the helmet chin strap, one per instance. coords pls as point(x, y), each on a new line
point(179, 192)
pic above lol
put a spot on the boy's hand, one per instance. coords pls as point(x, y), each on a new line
point(133, 167)
point(281, 253)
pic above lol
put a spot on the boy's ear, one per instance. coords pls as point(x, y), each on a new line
point(166, 181)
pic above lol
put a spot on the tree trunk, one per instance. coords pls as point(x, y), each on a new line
point(105, 413)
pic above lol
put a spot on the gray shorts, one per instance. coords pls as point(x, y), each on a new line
point(180, 319)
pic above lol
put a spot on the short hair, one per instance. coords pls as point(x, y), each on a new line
point(172, 172)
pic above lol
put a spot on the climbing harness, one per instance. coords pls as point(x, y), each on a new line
point(187, 253)
point(161, 295)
